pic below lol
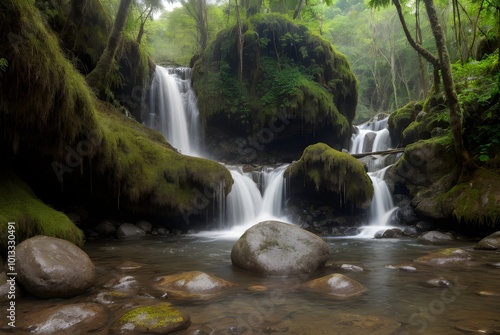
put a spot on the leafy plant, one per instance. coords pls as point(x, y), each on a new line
point(3, 64)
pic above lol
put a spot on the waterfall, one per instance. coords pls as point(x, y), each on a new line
point(373, 137)
point(173, 110)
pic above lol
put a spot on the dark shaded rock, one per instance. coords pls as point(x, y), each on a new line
point(424, 226)
point(336, 285)
point(490, 242)
point(352, 231)
point(50, 267)
point(406, 215)
point(435, 236)
point(410, 231)
point(389, 233)
point(446, 257)
point(129, 231)
point(192, 285)
point(105, 228)
point(437, 282)
point(153, 319)
point(279, 249)
point(144, 225)
point(83, 318)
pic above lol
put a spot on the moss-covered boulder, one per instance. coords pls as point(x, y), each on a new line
point(446, 257)
point(292, 87)
point(336, 176)
point(154, 319)
point(72, 147)
point(490, 242)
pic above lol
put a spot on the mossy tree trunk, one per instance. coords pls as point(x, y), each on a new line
point(449, 86)
point(197, 9)
point(99, 75)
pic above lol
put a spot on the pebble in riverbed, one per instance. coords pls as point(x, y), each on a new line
point(336, 285)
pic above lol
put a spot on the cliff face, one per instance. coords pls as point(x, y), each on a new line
point(73, 148)
point(291, 89)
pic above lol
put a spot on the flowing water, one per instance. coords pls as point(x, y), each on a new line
point(396, 303)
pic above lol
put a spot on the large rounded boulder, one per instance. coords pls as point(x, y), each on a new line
point(275, 248)
point(49, 267)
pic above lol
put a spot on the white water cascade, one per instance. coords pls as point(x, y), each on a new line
point(173, 110)
point(373, 137)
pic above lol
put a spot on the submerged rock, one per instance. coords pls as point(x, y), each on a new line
point(128, 230)
point(435, 236)
point(336, 285)
point(154, 319)
point(50, 267)
point(490, 242)
point(192, 285)
point(75, 319)
point(446, 257)
point(389, 233)
point(279, 249)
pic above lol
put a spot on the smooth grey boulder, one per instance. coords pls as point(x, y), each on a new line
point(435, 236)
point(490, 242)
point(49, 267)
point(276, 248)
point(129, 231)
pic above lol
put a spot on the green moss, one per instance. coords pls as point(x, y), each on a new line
point(153, 317)
point(32, 217)
point(286, 68)
point(477, 201)
point(401, 119)
point(334, 171)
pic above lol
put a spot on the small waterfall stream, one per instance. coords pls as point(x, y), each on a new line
point(374, 137)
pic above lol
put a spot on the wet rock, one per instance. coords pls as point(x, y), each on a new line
point(279, 249)
point(490, 242)
point(437, 282)
point(192, 285)
point(336, 285)
point(257, 288)
point(423, 226)
point(488, 293)
point(49, 267)
point(347, 267)
point(410, 232)
point(129, 231)
point(75, 319)
point(352, 231)
point(446, 257)
point(128, 266)
point(105, 228)
point(154, 319)
point(389, 233)
point(144, 225)
point(401, 267)
point(479, 327)
point(162, 231)
point(406, 215)
point(494, 265)
point(126, 285)
point(435, 236)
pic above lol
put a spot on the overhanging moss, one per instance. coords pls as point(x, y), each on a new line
point(335, 172)
point(47, 110)
point(31, 216)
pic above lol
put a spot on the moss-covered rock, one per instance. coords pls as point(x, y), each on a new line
point(31, 216)
point(332, 172)
point(154, 319)
point(72, 147)
point(292, 82)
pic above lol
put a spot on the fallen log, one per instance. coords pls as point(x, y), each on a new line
point(385, 152)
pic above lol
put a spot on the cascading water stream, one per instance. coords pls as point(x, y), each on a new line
point(173, 111)
point(374, 137)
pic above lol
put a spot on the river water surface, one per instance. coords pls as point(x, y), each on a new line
point(393, 296)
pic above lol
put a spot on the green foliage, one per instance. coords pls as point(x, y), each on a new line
point(334, 171)
point(3, 64)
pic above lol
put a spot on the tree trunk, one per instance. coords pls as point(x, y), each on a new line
point(449, 87)
point(141, 28)
point(298, 9)
point(99, 75)
point(418, 47)
point(240, 43)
